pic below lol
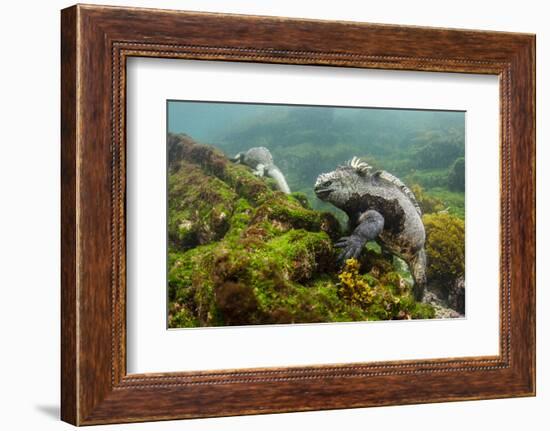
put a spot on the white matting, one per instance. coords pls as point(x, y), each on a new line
point(153, 348)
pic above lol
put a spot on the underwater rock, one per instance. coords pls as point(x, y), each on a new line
point(199, 207)
point(237, 302)
point(440, 306)
point(457, 295)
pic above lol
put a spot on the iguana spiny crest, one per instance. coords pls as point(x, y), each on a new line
point(352, 178)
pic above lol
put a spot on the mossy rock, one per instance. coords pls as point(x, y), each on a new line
point(381, 298)
point(199, 207)
point(285, 213)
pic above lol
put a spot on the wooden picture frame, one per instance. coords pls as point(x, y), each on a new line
point(95, 43)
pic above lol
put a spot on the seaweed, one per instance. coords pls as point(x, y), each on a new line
point(445, 247)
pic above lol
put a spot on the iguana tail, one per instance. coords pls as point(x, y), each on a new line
point(237, 158)
point(277, 175)
point(418, 269)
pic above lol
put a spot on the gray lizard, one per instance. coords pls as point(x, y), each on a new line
point(379, 207)
point(261, 160)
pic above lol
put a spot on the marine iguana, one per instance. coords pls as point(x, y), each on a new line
point(379, 207)
point(261, 160)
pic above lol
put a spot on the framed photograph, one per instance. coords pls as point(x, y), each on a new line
point(264, 214)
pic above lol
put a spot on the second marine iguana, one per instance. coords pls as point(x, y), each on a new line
point(379, 207)
point(261, 160)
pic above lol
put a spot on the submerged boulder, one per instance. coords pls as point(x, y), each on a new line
point(457, 297)
point(199, 207)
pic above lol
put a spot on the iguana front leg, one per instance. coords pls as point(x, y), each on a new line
point(371, 223)
point(260, 170)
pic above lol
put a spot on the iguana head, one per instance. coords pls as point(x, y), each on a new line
point(338, 186)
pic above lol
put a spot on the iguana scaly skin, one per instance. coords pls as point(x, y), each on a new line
point(261, 160)
point(379, 207)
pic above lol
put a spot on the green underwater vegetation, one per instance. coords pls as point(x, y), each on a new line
point(444, 246)
point(241, 252)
